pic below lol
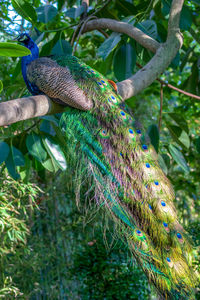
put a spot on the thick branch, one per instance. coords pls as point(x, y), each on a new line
point(27, 108)
point(161, 60)
point(30, 107)
point(125, 28)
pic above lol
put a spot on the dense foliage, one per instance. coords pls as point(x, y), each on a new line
point(56, 249)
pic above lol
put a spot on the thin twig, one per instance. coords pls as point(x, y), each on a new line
point(84, 21)
point(173, 87)
point(161, 106)
point(101, 8)
point(81, 30)
point(178, 90)
point(104, 33)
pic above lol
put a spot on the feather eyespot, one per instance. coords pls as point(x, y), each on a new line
point(139, 232)
point(164, 207)
point(100, 84)
point(148, 165)
point(145, 147)
point(123, 115)
point(166, 226)
point(180, 238)
point(150, 207)
point(92, 71)
point(169, 262)
point(156, 182)
point(104, 134)
point(131, 133)
point(110, 102)
point(103, 82)
point(113, 99)
point(138, 131)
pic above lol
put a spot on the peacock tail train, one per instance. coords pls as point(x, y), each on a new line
point(110, 146)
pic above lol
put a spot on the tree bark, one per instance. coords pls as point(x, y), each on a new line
point(30, 107)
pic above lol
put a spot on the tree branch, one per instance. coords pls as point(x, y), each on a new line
point(161, 60)
point(122, 27)
point(33, 106)
point(26, 108)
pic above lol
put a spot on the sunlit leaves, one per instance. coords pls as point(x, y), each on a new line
point(35, 147)
point(1, 86)
point(55, 152)
point(13, 50)
point(25, 9)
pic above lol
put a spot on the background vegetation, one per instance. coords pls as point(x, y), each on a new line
point(50, 248)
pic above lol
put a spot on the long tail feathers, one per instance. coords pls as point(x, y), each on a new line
point(146, 221)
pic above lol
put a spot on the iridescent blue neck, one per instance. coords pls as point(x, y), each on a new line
point(27, 60)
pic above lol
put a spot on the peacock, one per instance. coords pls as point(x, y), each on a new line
point(111, 147)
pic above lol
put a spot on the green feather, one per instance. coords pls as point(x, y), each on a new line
point(128, 180)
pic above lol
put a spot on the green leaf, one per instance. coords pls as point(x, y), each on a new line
point(186, 14)
point(186, 18)
point(149, 27)
point(4, 151)
point(166, 7)
point(196, 1)
point(55, 152)
point(175, 62)
point(166, 159)
point(197, 143)
point(153, 133)
point(179, 135)
point(18, 157)
point(50, 165)
point(1, 86)
point(74, 12)
point(108, 45)
point(51, 118)
point(13, 50)
point(62, 47)
point(46, 13)
point(25, 9)
point(179, 121)
point(162, 164)
point(46, 127)
point(60, 4)
point(124, 62)
point(16, 71)
point(25, 172)
point(14, 159)
point(179, 158)
point(35, 147)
